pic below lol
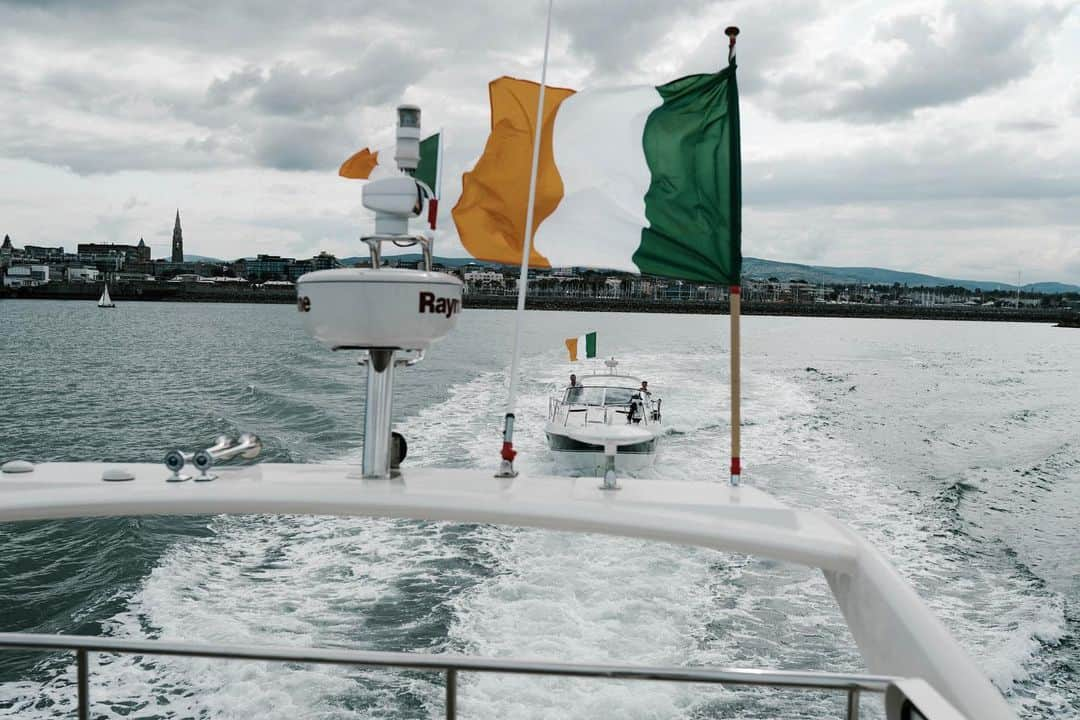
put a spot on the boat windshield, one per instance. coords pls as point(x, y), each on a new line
point(618, 396)
point(585, 395)
point(599, 395)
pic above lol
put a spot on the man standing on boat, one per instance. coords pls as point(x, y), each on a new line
point(573, 380)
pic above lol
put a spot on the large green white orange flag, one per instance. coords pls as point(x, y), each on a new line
point(641, 179)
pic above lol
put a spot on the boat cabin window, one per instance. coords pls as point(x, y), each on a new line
point(599, 395)
point(618, 396)
point(585, 395)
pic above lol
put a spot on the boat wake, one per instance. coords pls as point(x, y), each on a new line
point(433, 587)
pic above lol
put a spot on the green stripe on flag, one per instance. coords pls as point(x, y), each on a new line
point(590, 345)
point(694, 202)
point(426, 169)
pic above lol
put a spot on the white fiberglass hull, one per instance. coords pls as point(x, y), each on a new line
point(592, 463)
point(581, 452)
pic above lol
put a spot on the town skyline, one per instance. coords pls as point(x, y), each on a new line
point(753, 268)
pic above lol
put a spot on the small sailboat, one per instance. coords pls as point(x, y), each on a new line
point(105, 301)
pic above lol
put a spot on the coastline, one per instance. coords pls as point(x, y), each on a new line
point(195, 292)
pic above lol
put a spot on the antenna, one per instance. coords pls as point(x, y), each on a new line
point(393, 315)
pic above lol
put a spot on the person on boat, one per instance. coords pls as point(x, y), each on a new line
point(644, 389)
point(575, 391)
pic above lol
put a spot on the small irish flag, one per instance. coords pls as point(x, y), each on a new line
point(582, 347)
point(362, 164)
point(640, 179)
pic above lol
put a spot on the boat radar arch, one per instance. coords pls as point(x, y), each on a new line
point(384, 312)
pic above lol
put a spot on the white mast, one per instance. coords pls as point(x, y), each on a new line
point(506, 467)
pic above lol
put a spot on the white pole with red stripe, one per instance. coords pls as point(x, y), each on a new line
point(506, 467)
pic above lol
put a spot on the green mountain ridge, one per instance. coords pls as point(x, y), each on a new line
point(761, 269)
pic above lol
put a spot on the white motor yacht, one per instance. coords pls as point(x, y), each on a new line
point(914, 667)
point(607, 421)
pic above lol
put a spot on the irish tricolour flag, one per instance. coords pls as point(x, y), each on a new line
point(370, 164)
point(367, 163)
point(582, 347)
point(641, 179)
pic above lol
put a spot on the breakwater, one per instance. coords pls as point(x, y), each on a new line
point(910, 312)
point(207, 292)
point(157, 292)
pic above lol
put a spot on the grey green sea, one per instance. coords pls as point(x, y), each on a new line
point(954, 447)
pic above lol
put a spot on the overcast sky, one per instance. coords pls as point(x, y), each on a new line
point(925, 136)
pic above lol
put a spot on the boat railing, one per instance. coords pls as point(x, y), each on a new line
point(848, 685)
point(609, 412)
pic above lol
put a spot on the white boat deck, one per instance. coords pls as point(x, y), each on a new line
point(703, 514)
point(896, 634)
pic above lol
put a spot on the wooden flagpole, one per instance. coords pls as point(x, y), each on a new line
point(433, 204)
point(736, 385)
point(735, 305)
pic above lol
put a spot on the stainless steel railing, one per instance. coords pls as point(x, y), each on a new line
point(610, 412)
point(449, 665)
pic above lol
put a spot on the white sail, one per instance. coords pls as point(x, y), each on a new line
point(105, 300)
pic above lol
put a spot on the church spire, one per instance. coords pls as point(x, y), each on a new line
point(177, 240)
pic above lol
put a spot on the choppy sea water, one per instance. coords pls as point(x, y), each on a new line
point(955, 447)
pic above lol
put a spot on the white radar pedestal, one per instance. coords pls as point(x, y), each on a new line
point(393, 315)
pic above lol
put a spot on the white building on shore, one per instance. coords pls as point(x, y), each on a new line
point(26, 276)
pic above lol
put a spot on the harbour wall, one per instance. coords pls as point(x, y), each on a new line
point(206, 292)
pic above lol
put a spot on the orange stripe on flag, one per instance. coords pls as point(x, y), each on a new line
point(360, 165)
point(490, 216)
point(571, 345)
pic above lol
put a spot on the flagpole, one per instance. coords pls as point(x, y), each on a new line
point(735, 305)
point(433, 204)
point(736, 386)
point(506, 467)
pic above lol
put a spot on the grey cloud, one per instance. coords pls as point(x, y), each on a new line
point(616, 36)
point(949, 168)
point(90, 154)
point(379, 78)
point(312, 229)
point(770, 33)
point(989, 46)
point(227, 27)
point(301, 145)
point(1027, 126)
point(226, 89)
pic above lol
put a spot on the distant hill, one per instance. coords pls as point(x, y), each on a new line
point(760, 269)
point(763, 269)
point(1050, 288)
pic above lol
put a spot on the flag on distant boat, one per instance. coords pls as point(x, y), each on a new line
point(362, 164)
point(582, 347)
point(641, 179)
